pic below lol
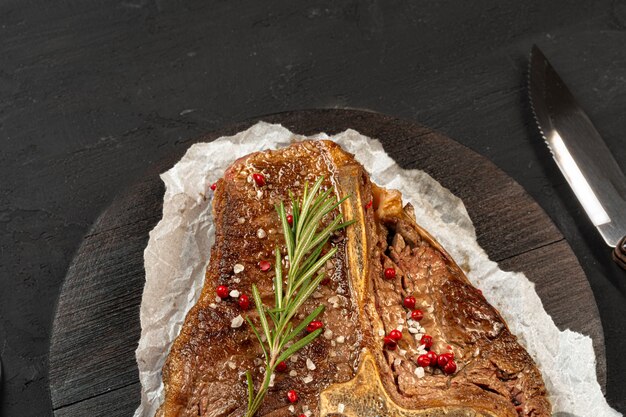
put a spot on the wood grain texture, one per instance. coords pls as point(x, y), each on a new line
point(96, 326)
point(119, 402)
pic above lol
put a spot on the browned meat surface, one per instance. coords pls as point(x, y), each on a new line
point(204, 372)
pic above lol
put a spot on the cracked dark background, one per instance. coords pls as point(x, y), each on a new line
point(93, 93)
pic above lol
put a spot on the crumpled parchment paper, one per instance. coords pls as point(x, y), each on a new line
point(179, 247)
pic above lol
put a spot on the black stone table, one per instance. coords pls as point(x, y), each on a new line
point(94, 94)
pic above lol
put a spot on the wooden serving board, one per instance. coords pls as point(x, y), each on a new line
point(96, 326)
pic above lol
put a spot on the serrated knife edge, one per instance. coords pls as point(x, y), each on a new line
point(532, 103)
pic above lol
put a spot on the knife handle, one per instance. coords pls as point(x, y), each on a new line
point(619, 254)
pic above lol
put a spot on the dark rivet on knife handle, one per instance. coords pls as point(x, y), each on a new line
point(619, 254)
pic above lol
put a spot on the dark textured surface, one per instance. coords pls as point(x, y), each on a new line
point(96, 326)
point(93, 93)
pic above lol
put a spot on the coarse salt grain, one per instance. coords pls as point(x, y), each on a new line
point(236, 322)
point(259, 193)
point(234, 293)
point(293, 373)
point(419, 372)
point(294, 358)
point(402, 352)
point(217, 299)
point(328, 334)
point(237, 268)
point(397, 362)
point(231, 365)
point(340, 339)
point(309, 364)
point(241, 220)
point(308, 413)
point(272, 380)
point(413, 330)
point(400, 320)
point(292, 408)
point(381, 332)
point(341, 407)
point(400, 328)
point(213, 305)
point(261, 233)
point(317, 294)
point(307, 379)
point(236, 280)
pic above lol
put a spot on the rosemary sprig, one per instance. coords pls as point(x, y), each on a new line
point(304, 250)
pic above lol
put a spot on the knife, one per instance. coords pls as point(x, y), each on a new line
point(580, 153)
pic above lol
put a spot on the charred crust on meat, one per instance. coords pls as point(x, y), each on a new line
point(203, 372)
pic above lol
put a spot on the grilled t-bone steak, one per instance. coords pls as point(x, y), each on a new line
point(353, 369)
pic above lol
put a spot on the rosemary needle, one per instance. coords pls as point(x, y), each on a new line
point(304, 244)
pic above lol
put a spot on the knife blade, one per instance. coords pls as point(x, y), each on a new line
point(580, 153)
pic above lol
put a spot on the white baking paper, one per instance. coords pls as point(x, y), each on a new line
point(179, 247)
